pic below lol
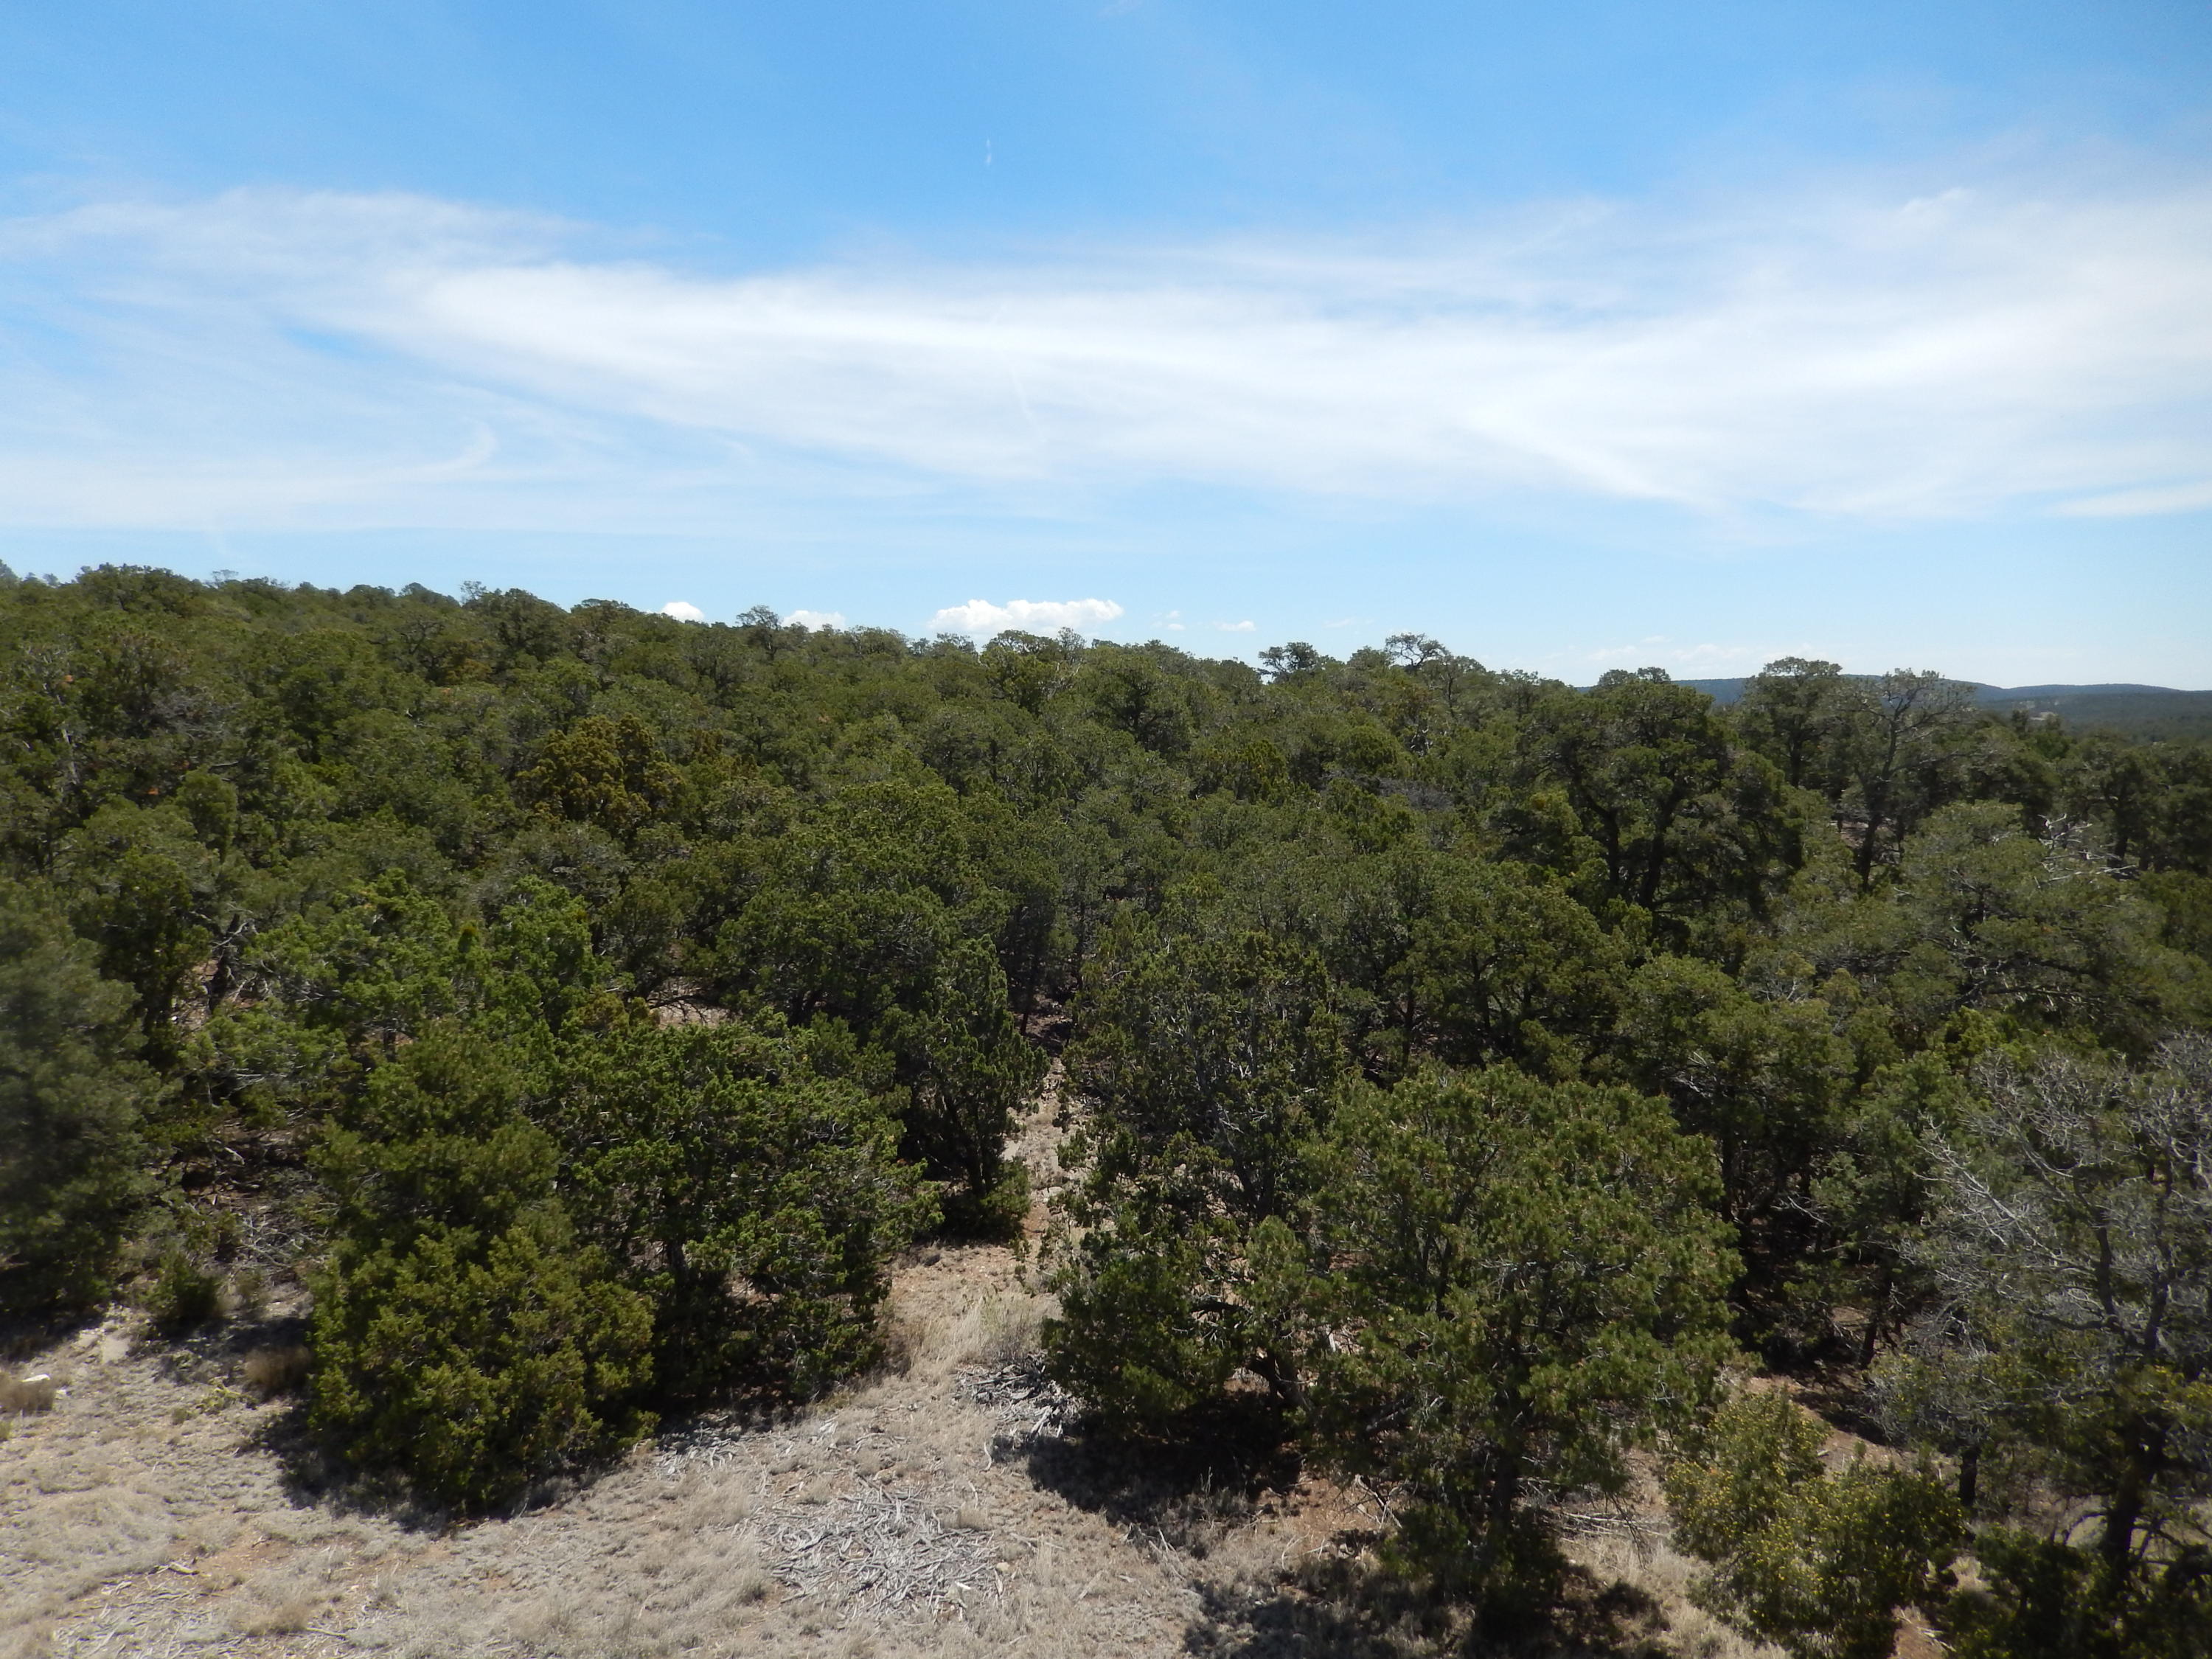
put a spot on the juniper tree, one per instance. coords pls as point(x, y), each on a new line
point(1508, 1283)
point(72, 1099)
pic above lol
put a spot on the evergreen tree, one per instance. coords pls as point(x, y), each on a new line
point(73, 1099)
point(463, 1334)
point(1508, 1283)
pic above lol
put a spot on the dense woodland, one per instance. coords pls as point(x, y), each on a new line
point(1470, 1078)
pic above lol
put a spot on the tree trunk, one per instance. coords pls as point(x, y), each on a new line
point(2117, 1546)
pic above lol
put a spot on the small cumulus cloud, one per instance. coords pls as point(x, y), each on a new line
point(683, 611)
point(817, 618)
point(982, 616)
point(1244, 627)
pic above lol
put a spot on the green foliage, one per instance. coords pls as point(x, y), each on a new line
point(1818, 1564)
point(2042, 932)
point(883, 917)
point(72, 1101)
point(462, 1333)
point(1508, 1284)
point(2072, 1245)
point(2042, 1598)
point(1206, 1063)
point(185, 1291)
point(1460, 958)
point(1671, 822)
point(475, 1364)
point(274, 856)
point(602, 771)
point(753, 1200)
point(1765, 1079)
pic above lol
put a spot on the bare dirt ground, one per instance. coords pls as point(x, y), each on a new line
point(951, 1507)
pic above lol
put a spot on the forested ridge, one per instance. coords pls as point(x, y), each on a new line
point(1470, 1079)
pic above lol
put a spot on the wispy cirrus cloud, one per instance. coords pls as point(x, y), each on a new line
point(293, 360)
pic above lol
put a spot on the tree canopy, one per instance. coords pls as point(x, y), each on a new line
point(1463, 1070)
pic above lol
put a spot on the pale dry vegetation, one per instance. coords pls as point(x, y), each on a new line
point(939, 1509)
point(947, 1506)
point(21, 1396)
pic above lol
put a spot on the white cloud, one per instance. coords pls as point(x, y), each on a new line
point(982, 616)
point(1705, 661)
point(818, 618)
point(266, 359)
point(683, 611)
point(2142, 503)
point(1235, 627)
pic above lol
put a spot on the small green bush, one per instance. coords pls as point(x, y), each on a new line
point(476, 1363)
point(1818, 1564)
point(184, 1292)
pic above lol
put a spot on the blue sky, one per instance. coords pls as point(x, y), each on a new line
point(1580, 336)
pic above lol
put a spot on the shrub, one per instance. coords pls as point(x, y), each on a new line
point(185, 1291)
point(273, 1371)
point(476, 1363)
point(1818, 1564)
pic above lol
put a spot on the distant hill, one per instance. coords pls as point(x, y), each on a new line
point(2141, 711)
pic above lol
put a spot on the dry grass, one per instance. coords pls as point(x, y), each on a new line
point(21, 1396)
point(938, 1509)
point(919, 1513)
point(276, 1371)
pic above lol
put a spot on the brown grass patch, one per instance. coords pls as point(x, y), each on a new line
point(278, 1371)
point(21, 1396)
